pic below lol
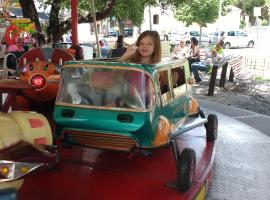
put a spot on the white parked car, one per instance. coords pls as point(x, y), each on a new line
point(204, 37)
point(176, 35)
point(172, 35)
point(234, 38)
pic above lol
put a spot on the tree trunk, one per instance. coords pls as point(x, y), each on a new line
point(53, 31)
point(29, 11)
point(200, 37)
point(56, 28)
point(66, 25)
point(121, 26)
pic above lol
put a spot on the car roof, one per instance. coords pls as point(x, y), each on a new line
point(150, 68)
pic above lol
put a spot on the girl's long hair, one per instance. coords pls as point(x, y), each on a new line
point(156, 55)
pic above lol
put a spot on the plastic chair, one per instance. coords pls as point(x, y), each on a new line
point(9, 65)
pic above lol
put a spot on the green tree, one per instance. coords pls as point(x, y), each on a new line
point(123, 9)
point(200, 12)
point(247, 8)
point(57, 28)
point(122, 12)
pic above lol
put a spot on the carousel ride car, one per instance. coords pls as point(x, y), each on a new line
point(26, 139)
point(131, 108)
point(25, 149)
point(36, 79)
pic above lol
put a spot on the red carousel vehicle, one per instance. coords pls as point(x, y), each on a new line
point(35, 84)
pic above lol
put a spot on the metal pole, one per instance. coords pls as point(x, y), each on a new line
point(257, 21)
point(150, 18)
point(74, 21)
point(95, 27)
point(219, 19)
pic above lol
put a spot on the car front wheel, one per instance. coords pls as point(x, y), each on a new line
point(227, 45)
point(211, 128)
point(186, 169)
point(251, 44)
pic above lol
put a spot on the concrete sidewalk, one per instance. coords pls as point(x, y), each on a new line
point(242, 154)
point(255, 120)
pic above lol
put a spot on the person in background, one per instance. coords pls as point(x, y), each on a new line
point(101, 44)
point(76, 51)
point(219, 48)
point(146, 51)
point(68, 38)
point(194, 55)
point(117, 30)
point(119, 44)
point(104, 48)
point(180, 50)
point(216, 55)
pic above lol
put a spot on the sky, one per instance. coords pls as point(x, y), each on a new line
point(41, 9)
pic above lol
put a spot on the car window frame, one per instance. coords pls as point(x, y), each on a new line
point(179, 90)
point(167, 96)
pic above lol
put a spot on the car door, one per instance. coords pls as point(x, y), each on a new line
point(243, 38)
point(165, 93)
point(179, 91)
point(205, 38)
point(231, 38)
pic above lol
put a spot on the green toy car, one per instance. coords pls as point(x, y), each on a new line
point(130, 107)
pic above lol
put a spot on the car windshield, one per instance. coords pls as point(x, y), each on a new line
point(217, 33)
point(194, 33)
point(106, 87)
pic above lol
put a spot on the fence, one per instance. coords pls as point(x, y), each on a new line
point(261, 66)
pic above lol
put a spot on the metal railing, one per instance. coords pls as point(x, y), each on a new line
point(261, 66)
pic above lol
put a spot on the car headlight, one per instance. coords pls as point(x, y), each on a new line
point(10, 170)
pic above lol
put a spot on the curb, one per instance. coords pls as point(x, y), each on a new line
point(256, 120)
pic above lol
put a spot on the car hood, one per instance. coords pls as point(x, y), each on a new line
point(99, 119)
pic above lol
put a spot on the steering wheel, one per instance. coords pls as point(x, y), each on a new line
point(134, 101)
point(77, 96)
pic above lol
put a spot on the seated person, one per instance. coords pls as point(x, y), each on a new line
point(180, 50)
point(76, 51)
point(104, 48)
point(219, 48)
point(120, 43)
point(194, 51)
point(207, 65)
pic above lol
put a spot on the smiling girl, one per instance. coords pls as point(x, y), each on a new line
point(146, 51)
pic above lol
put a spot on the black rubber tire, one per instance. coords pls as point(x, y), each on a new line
point(227, 45)
point(211, 128)
point(251, 44)
point(186, 169)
